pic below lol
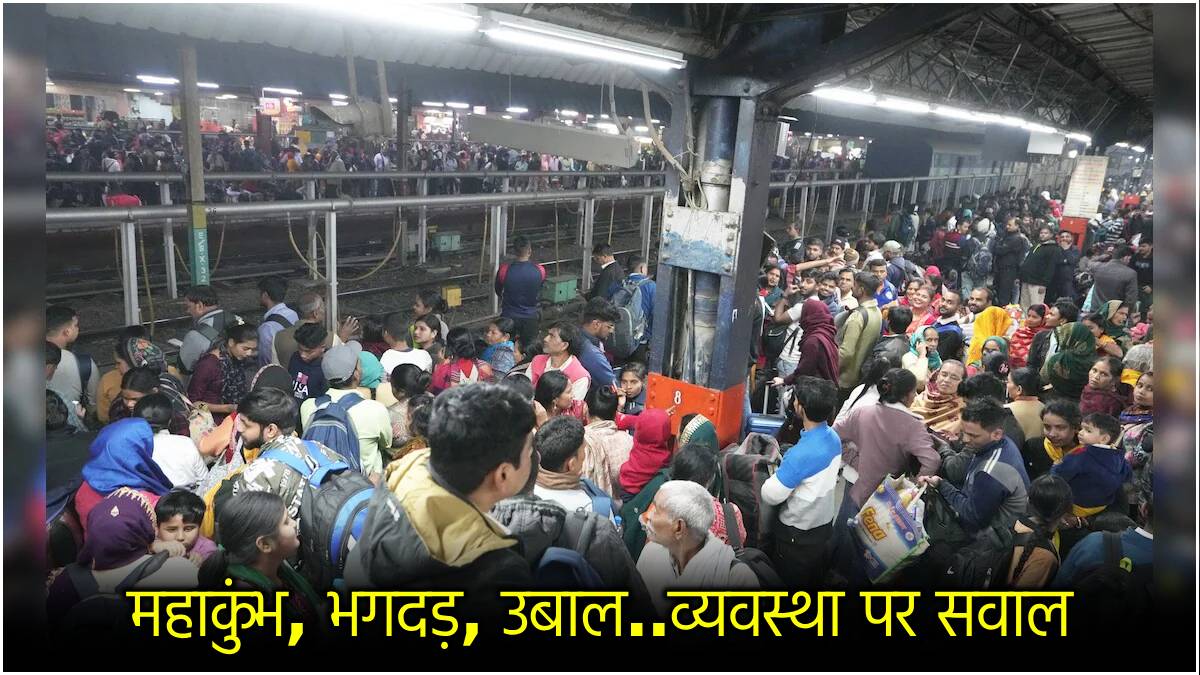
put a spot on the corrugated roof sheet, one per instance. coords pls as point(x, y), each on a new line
point(285, 26)
point(1123, 47)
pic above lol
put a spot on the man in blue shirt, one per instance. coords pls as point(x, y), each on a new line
point(278, 316)
point(599, 321)
point(986, 484)
point(886, 295)
point(639, 276)
point(519, 285)
point(805, 485)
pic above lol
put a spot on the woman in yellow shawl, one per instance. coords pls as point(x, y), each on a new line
point(989, 323)
point(940, 405)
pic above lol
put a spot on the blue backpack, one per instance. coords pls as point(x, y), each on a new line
point(563, 568)
point(332, 512)
point(602, 504)
point(331, 427)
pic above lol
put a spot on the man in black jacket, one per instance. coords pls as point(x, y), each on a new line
point(1038, 269)
point(611, 274)
point(1066, 259)
point(1006, 253)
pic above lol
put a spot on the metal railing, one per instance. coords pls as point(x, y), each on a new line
point(129, 218)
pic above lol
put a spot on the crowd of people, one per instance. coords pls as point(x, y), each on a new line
point(124, 146)
point(1020, 399)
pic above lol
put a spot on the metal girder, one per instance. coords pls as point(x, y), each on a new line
point(889, 33)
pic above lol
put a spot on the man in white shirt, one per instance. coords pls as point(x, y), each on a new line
point(76, 378)
point(395, 333)
point(680, 552)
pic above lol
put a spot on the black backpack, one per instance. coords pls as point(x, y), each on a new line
point(985, 563)
point(1116, 590)
point(99, 613)
point(332, 513)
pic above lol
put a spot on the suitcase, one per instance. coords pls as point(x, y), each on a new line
point(765, 422)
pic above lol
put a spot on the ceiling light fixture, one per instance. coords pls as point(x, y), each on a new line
point(227, 97)
point(208, 85)
point(282, 90)
point(458, 105)
point(845, 95)
point(393, 99)
point(506, 117)
point(156, 79)
point(570, 113)
point(340, 97)
point(548, 37)
point(903, 105)
point(432, 104)
point(519, 110)
point(131, 90)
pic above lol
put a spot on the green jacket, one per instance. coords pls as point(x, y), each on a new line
point(856, 342)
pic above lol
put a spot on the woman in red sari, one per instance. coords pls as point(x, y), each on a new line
point(1018, 346)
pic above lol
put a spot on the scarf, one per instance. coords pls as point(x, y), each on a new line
point(699, 430)
point(372, 370)
point(122, 456)
point(1056, 453)
point(234, 383)
point(1067, 370)
point(989, 323)
point(1107, 401)
point(651, 450)
point(1136, 415)
point(1108, 311)
point(1022, 340)
point(941, 412)
point(490, 350)
point(932, 355)
point(818, 342)
point(552, 480)
point(120, 530)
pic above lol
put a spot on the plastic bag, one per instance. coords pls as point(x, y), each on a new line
point(889, 528)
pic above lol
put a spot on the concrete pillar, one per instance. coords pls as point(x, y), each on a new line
point(190, 107)
point(331, 280)
point(385, 106)
point(129, 268)
point(351, 75)
point(589, 221)
point(422, 223)
point(164, 193)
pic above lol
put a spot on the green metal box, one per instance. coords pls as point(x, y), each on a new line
point(559, 289)
point(447, 241)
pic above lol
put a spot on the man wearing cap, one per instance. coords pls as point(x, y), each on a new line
point(372, 424)
point(899, 269)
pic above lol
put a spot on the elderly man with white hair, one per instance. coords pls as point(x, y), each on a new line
point(680, 552)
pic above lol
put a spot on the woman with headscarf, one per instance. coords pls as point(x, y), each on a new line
point(121, 456)
point(989, 323)
point(818, 344)
point(116, 556)
point(1116, 314)
point(922, 357)
point(992, 345)
point(1067, 369)
point(651, 451)
point(696, 428)
point(1022, 339)
point(940, 405)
